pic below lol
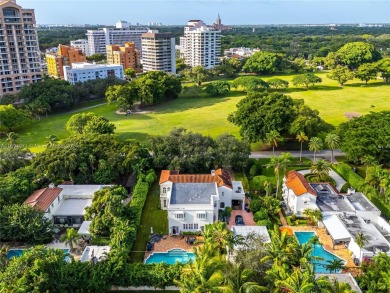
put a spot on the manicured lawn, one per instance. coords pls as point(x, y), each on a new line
point(152, 216)
point(208, 115)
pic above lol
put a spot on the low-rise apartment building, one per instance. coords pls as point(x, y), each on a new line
point(128, 56)
point(65, 56)
point(82, 72)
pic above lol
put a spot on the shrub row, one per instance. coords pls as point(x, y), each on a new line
point(357, 182)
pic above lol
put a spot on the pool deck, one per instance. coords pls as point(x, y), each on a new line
point(172, 242)
point(326, 241)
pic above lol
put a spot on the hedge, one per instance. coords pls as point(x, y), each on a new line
point(357, 182)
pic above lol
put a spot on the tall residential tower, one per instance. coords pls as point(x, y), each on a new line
point(19, 49)
point(201, 45)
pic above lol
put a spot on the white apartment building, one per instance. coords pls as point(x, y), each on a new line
point(81, 44)
point(81, 72)
point(201, 45)
point(20, 61)
point(158, 52)
point(98, 39)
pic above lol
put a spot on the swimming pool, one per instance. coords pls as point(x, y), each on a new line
point(171, 257)
point(318, 250)
point(19, 252)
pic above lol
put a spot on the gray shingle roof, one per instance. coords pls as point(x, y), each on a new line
point(192, 193)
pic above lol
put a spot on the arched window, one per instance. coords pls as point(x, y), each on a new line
point(164, 190)
point(222, 205)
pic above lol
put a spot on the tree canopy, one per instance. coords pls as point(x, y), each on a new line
point(265, 63)
point(12, 118)
point(356, 53)
point(84, 123)
point(218, 88)
point(249, 83)
point(306, 79)
point(341, 74)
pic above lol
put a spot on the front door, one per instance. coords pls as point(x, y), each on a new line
point(175, 230)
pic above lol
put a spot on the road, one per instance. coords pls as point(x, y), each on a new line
point(326, 154)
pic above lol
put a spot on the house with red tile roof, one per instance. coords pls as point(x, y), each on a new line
point(297, 193)
point(194, 200)
point(64, 204)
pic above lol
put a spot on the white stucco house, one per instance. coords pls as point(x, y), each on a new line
point(193, 200)
point(297, 193)
point(64, 204)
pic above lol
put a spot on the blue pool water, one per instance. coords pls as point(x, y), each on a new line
point(171, 257)
point(304, 237)
point(18, 253)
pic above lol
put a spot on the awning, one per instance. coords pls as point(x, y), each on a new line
point(336, 228)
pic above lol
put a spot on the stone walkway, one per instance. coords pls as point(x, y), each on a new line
point(282, 219)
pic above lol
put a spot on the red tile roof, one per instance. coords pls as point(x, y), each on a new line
point(43, 198)
point(298, 183)
point(221, 177)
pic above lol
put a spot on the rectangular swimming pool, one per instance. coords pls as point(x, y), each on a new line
point(318, 250)
point(19, 252)
point(171, 257)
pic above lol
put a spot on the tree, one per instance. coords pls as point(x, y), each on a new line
point(196, 74)
point(272, 138)
point(96, 57)
point(264, 63)
point(12, 118)
point(332, 140)
point(315, 145)
point(13, 158)
point(70, 237)
point(297, 282)
point(218, 88)
point(301, 137)
point(375, 274)
point(23, 223)
point(277, 83)
point(367, 72)
point(260, 113)
point(306, 79)
point(341, 74)
point(279, 164)
point(314, 215)
point(361, 240)
point(356, 53)
point(219, 237)
point(334, 266)
point(89, 123)
point(384, 69)
point(321, 168)
point(125, 95)
point(130, 73)
point(249, 83)
point(194, 90)
point(231, 152)
point(367, 135)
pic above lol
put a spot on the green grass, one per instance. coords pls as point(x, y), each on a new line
point(152, 216)
point(208, 115)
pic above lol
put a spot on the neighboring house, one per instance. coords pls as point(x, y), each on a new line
point(193, 200)
point(95, 253)
point(297, 193)
point(65, 204)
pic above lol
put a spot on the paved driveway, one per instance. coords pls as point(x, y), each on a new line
point(248, 218)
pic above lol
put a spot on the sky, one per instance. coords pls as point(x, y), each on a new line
point(233, 12)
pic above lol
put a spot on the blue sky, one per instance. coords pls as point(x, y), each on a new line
point(232, 11)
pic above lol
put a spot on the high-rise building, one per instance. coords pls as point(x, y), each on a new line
point(81, 44)
point(81, 72)
point(65, 56)
point(20, 62)
point(158, 52)
point(127, 56)
point(201, 45)
point(99, 39)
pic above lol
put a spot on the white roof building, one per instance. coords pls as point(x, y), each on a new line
point(81, 72)
point(244, 231)
point(95, 253)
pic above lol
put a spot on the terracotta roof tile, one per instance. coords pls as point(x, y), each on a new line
point(221, 177)
point(298, 183)
point(43, 198)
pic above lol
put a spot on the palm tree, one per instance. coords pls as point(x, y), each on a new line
point(332, 140)
point(314, 215)
point(267, 187)
point(297, 282)
point(12, 137)
point(334, 286)
point(219, 236)
point(335, 265)
point(239, 280)
point(374, 175)
point(315, 145)
point(51, 140)
point(360, 240)
point(301, 137)
point(279, 164)
point(272, 138)
point(321, 167)
point(70, 237)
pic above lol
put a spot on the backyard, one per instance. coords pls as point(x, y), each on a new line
point(152, 216)
point(208, 115)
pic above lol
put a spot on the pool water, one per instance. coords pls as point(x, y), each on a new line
point(304, 237)
point(18, 253)
point(171, 257)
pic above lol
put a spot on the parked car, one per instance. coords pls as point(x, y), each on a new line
point(239, 220)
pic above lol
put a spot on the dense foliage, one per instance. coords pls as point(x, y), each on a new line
point(88, 123)
point(265, 63)
point(375, 275)
point(192, 152)
point(218, 88)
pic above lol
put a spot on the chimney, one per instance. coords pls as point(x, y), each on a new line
point(51, 185)
point(213, 172)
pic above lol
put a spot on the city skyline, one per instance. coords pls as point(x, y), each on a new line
point(233, 12)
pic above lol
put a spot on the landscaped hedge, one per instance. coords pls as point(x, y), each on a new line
point(357, 182)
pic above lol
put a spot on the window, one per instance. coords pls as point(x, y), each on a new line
point(165, 203)
point(191, 226)
point(222, 205)
point(179, 216)
point(223, 193)
point(202, 216)
point(164, 190)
